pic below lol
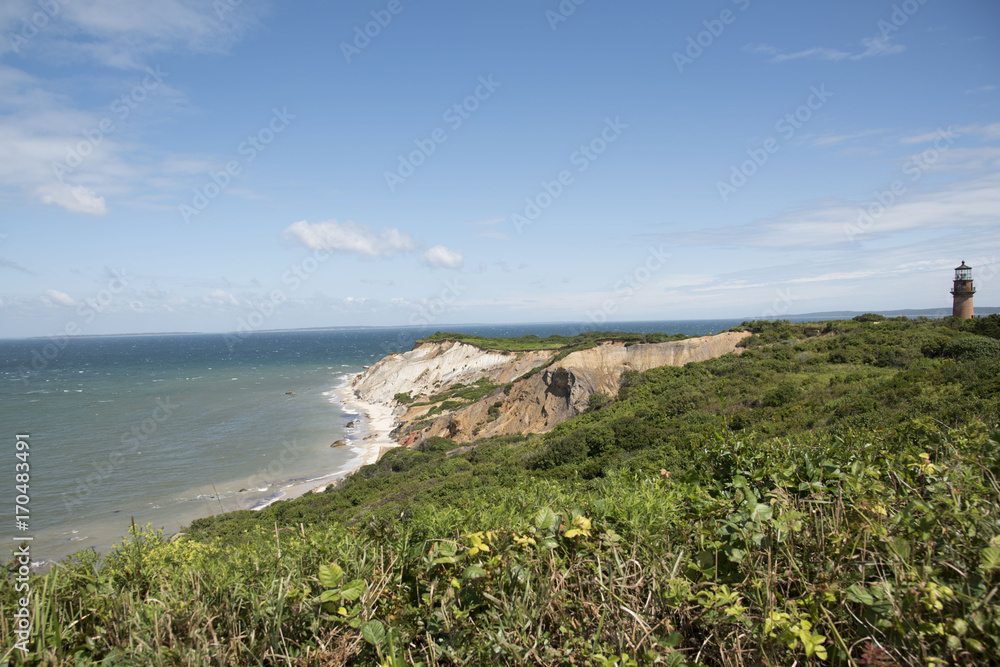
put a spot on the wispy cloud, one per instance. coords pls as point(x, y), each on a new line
point(14, 265)
point(123, 35)
point(45, 152)
point(61, 152)
point(970, 204)
point(989, 132)
point(837, 139)
point(487, 229)
point(873, 46)
point(350, 237)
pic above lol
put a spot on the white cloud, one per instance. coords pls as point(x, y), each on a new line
point(442, 257)
point(60, 298)
point(78, 198)
point(350, 237)
point(45, 151)
point(874, 46)
point(220, 297)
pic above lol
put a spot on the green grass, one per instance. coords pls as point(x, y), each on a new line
point(554, 342)
point(468, 393)
point(820, 500)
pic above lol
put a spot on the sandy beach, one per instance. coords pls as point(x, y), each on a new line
point(370, 435)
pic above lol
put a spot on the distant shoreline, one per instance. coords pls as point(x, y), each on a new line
point(826, 315)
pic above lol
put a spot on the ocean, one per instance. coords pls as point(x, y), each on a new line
point(163, 429)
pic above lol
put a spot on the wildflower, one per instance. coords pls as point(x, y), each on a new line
point(582, 524)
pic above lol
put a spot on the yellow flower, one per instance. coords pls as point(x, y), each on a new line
point(925, 464)
point(582, 524)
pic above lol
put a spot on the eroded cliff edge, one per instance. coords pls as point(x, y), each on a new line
point(462, 392)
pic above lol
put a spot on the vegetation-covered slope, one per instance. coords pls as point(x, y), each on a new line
point(828, 496)
point(553, 342)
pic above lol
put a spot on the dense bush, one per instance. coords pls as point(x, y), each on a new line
point(869, 317)
point(972, 348)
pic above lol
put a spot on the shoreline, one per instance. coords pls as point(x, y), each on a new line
point(366, 442)
point(369, 440)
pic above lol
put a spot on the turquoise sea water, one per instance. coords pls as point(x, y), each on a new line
point(168, 428)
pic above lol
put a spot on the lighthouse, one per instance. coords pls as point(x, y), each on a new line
point(962, 291)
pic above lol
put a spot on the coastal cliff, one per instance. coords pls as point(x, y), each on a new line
point(462, 392)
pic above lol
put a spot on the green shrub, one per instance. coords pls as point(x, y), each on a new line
point(972, 347)
point(783, 394)
point(598, 400)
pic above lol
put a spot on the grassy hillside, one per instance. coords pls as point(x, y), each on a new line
point(829, 496)
point(554, 342)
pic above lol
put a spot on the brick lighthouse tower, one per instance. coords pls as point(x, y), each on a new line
point(962, 291)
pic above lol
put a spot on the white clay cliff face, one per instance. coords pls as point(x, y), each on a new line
point(533, 405)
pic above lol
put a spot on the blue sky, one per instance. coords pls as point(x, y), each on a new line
point(215, 165)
